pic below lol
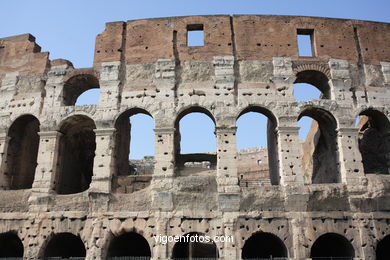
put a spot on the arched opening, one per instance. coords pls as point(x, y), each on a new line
point(257, 157)
point(383, 249)
point(307, 80)
point(195, 142)
point(129, 244)
point(319, 150)
point(374, 141)
point(76, 155)
point(10, 245)
point(134, 152)
point(264, 246)
point(22, 152)
point(77, 85)
point(330, 246)
point(195, 246)
point(88, 97)
point(65, 245)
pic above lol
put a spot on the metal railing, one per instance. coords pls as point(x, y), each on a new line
point(333, 258)
point(128, 258)
point(61, 258)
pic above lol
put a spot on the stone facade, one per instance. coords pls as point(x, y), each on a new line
point(60, 162)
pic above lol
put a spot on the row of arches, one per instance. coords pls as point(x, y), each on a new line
point(260, 245)
point(77, 146)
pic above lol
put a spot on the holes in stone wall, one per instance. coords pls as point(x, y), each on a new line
point(256, 141)
point(374, 141)
point(10, 245)
point(331, 246)
point(319, 151)
point(77, 85)
point(263, 246)
point(65, 245)
point(22, 152)
point(76, 155)
point(129, 244)
point(195, 35)
point(134, 151)
point(195, 248)
point(195, 142)
point(305, 39)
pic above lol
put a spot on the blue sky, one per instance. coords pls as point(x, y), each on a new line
point(67, 29)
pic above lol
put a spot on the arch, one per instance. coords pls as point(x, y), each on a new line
point(76, 85)
point(22, 153)
point(10, 245)
point(374, 141)
point(123, 141)
point(263, 245)
point(195, 245)
point(76, 154)
point(129, 244)
point(316, 78)
point(331, 245)
point(320, 151)
point(383, 248)
point(65, 245)
point(199, 161)
point(272, 140)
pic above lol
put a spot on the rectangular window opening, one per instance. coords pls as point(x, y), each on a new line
point(195, 35)
point(305, 42)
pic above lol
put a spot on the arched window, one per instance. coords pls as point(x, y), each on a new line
point(10, 245)
point(374, 141)
point(307, 81)
point(320, 151)
point(129, 244)
point(134, 154)
point(77, 85)
point(65, 245)
point(257, 158)
point(88, 97)
point(264, 246)
point(195, 246)
point(195, 142)
point(383, 249)
point(330, 246)
point(22, 153)
point(76, 155)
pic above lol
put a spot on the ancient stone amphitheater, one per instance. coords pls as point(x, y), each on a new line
point(65, 189)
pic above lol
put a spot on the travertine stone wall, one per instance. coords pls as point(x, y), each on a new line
point(248, 63)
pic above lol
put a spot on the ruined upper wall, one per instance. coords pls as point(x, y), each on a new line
point(247, 37)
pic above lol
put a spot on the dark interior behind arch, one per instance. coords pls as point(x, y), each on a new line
point(317, 79)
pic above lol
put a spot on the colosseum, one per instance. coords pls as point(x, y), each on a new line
point(69, 191)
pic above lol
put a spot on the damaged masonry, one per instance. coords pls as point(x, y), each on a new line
point(68, 190)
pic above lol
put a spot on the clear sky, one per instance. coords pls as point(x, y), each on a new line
point(67, 29)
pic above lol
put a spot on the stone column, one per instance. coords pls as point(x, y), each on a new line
point(351, 167)
point(103, 161)
point(164, 169)
point(109, 83)
point(227, 179)
point(4, 141)
point(46, 170)
point(290, 168)
point(230, 252)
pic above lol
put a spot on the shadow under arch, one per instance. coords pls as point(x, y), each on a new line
point(264, 245)
point(374, 141)
point(331, 246)
point(22, 153)
point(76, 85)
point(123, 138)
point(182, 159)
point(10, 245)
point(320, 151)
point(63, 245)
point(272, 140)
point(76, 154)
point(383, 248)
point(195, 245)
point(316, 78)
point(129, 244)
